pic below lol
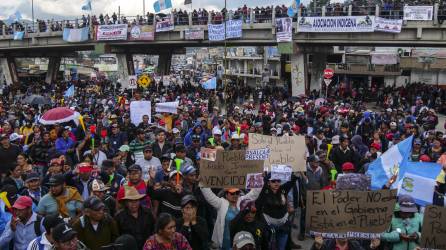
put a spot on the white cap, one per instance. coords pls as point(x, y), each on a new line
point(393, 124)
point(216, 131)
point(175, 131)
point(15, 136)
point(389, 110)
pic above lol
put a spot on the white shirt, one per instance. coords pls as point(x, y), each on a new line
point(98, 158)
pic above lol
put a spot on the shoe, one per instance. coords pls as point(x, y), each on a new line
point(301, 237)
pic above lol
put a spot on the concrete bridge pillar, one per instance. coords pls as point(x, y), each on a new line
point(9, 69)
point(298, 73)
point(125, 66)
point(164, 62)
point(53, 69)
point(318, 65)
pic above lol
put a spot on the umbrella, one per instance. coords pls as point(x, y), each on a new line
point(59, 115)
point(37, 100)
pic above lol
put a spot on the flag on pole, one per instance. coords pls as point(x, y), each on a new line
point(16, 17)
point(18, 35)
point(69, 92)
point(210, 84)
point(162, 5)
point(387, 165)
point(187, 2)
point(87, 6)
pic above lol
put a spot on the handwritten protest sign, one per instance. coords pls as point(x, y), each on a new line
point(434, 230)
point(281, 172)
point(228, 170)
point(352, 214)
point(254, 180)
point(257, 154)
point(138, 109)
point(167, 107)
point(208, 154)
point(285, 150)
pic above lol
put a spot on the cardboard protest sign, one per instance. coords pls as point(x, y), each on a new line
point(138, 109)
point(434, 230)
point(254, 180)
point(281, 172)
point(228, 170)
point(257, 154)
point(208, 154)
point(285, 150)
point(352, 214)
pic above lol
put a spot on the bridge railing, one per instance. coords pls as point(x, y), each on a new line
point(190, 19)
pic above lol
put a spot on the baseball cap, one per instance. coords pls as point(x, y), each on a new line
point(187, 199)
point(174, 173)
point(393, 124)
point(52, 220)
point(63, 233)
point(196, 137)
point(417, 141)
point(243, 238)
point(348, 166)
point(216, 131)
point(135, 167)
point(407, 204)
point(23, 202)
point(175, 131)
point(56, 180)
point(189, 170)
point(148, 148)
point(124, 148)
point(232, 190)
point(32, 176)
point(312, 158)
point(93, 203)
point(15, 136)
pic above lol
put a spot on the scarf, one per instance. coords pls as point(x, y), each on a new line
point(70, 195)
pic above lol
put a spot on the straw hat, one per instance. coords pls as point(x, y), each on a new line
point(130, 193)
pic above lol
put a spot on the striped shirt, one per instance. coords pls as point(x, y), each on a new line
point(137, 147)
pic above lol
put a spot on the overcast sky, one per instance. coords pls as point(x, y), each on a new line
point(57, 9)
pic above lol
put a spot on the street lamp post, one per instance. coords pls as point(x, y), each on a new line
point(143, 7)
point(32, 13)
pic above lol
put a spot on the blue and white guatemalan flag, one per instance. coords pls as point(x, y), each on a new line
point(87, 6)
point(388, 163)
point(16, 17)
point(418, 179)
point(210, 84)
point(76, 35)
point(18, 35)
point(69, 92)
point(162, 5)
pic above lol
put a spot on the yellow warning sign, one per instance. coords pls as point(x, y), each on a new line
point(144, 81)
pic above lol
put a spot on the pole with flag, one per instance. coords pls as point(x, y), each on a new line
point(162, 5)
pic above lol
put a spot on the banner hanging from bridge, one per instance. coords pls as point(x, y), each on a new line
point(111, 32)
point(284, 32)
point(337, 24)
point(165, 25)
point(142, 33)
point(388, 25)
point(418, 13)
point(75, 35)
point(194, 34)
point(216, 32)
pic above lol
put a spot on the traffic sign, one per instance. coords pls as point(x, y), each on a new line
point(327, 81)
point(144, 81)
point(328, 73)
point(132, 82)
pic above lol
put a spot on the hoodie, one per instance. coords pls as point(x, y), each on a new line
point(188, 137)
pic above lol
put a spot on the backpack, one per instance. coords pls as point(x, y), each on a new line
point(37, 224)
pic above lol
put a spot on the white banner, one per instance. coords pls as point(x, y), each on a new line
point(165, 25)
point(284, 28)
point(233, 29)
point(384, 59)
point(337, 24)
point(418, 13)
point(111, 32)
point(194, 34)
point(167, 107)
point(138, 109)
point(216, 32)
point(388, 25)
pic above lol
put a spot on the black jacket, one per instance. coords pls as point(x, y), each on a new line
point(339, 157)
point(197, 235)
point(258, 229)
point(140, 228)
point(157, 152)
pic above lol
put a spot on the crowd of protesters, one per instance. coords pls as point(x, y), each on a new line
point(123, 189)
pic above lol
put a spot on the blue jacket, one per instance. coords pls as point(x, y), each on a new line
point(188, 137)
point(63, 145)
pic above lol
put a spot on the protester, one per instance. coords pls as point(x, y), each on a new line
point(165, 236)
point(95, 228)
point(45, 241)
point(191, 226)
point(33, 188)
point(24, 226)
point(65, 238)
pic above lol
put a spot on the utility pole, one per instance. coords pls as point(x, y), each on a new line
point(143, 7)
point(32, 13)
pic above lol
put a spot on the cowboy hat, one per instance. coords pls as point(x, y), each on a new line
point(130, 193)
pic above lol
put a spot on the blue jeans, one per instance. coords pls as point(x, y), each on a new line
point(281, 238)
